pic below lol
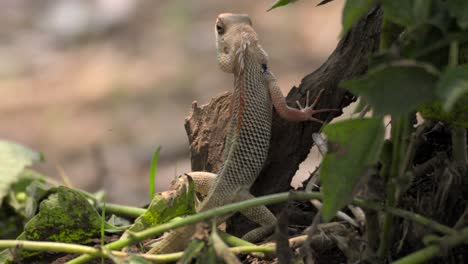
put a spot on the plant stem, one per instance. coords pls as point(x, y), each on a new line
point(414, 143)
point(423, 255)
point(123, 210)
point(254, 248)
point(103, 224)
point(459, 155)
point(270, 199)
point(233, 240)
point(458, 133)
point(49, 246)
point(389, 33)
point(459, 145)
point(453, 54)
point(264, 200)
point(372, 231)
point(386, 234)
point(461, 38)
point(399, 136)
point(72, 248)
point(154, 231)
point(422, 220)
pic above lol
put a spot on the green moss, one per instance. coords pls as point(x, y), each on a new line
point(64, 216)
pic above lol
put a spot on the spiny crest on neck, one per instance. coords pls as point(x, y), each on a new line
point(241, 55)
point(246, 41)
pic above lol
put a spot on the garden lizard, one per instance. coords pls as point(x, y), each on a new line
point(255, 93)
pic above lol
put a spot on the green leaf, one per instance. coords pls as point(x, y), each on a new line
point(166, 207)
point(13, 159)
point(279, 3)
point(154, 168)
point(324, 2)
point(360, 106)
point(221, 249)
point(354, 145)
point(117, 221)
point(353, 11)
point(131, 259)
point(407, 12)
point(396, 88)
point(459, 9)
point(35, 192)
point(23, 189)
point(5, 256)
point(452, 86)
point(192, 250)
point(207, 256)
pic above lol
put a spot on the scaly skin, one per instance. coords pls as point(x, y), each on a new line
point(255, 91)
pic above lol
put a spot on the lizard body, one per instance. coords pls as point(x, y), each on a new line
point(248, 139)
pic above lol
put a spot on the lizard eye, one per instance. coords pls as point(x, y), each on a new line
point(264, 67)
point(219, 29)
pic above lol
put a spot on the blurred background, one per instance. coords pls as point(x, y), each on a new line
point(97, 85)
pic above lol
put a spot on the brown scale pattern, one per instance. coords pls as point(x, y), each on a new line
point(249, 146)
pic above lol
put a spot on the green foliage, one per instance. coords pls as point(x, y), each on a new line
point(453, 86)
point(421, 66)
point(457, 116)
point(192, 251)
point(459, 9)
point(25, 193)
point(407, 12)
point(360, 106)
point(153, 169)
point(164, 208)
point(221, 249)
point(396, 88)
point(16, 194)
point(11, 225)
point(416, 69)
point(354, 146)
point(353, 11)
point(132, 259)
point(13, 159)
point(207, 256)
point(280, 3)
point(452, 91)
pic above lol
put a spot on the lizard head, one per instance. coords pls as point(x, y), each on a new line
point(235, 39)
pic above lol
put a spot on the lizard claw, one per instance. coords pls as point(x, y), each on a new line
point(309, 110)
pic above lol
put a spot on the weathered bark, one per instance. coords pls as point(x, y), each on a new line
point(290, 142)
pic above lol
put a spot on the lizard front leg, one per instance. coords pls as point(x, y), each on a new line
point(202, 180)
point(288, 113)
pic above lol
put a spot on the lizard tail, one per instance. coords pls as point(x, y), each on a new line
point(173, 241)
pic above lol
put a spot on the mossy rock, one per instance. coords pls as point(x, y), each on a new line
point(64, 216)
